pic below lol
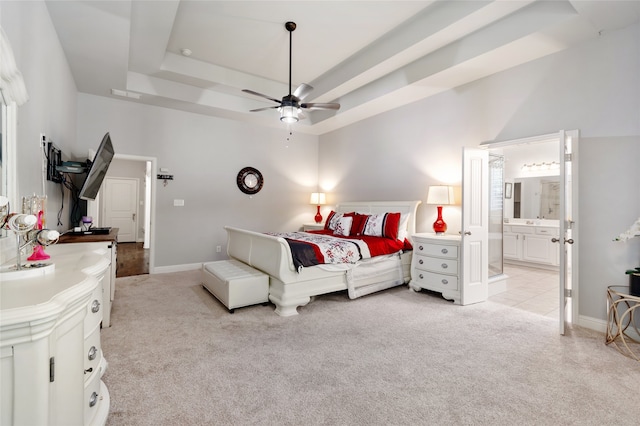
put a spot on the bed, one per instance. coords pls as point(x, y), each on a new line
point(291, 287)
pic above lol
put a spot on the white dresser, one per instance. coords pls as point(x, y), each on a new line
point(51, 360)
point(436, 265)
point(103, 244)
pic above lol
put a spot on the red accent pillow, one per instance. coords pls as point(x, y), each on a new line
point(391, 225)
point(357, 227)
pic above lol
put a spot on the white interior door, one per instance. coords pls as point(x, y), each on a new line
point(568, 256)
point(475, 226)
point(121, 207)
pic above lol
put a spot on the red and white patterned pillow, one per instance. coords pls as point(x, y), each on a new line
point(334, 218)
point(382, 225)
point(343, 226)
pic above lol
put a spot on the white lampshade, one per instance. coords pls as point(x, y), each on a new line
point(318, 198)
point(288, 114)
point(440, 195)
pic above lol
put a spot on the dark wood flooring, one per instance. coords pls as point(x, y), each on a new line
point(132, 260)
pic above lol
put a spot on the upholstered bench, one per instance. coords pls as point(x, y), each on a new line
point(235, 284)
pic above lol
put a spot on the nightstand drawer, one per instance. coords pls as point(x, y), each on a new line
point(435, 281)
point(439, 250)
point(433, 264)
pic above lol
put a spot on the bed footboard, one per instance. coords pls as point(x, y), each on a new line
point(266, 253)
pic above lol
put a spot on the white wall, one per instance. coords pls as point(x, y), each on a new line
point(205, 155)
point(51, 108)
point(594, 87)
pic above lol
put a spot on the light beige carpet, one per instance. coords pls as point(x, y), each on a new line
point(177, 357)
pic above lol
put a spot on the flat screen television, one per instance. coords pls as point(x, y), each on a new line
point(97, 169)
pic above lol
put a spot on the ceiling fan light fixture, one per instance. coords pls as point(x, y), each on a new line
point(289, 114)
point(290, 106)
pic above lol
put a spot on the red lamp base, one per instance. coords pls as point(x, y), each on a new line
point(439, 227)
point(318, 217)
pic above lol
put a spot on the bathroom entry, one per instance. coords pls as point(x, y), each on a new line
point(551, 161)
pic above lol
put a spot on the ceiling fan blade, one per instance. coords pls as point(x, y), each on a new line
point(263, 109)
point(251, 92)
point(317, 106)
point(302, 91)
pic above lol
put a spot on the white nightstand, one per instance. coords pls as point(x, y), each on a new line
point(312, 226)
point(436, 265)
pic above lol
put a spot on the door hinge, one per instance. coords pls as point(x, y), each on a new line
point(568, 292)
point(568, 158)
point(52, 369)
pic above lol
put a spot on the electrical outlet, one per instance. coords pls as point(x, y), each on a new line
point(218, 249)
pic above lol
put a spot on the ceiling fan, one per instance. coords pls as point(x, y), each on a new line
point(291, 105)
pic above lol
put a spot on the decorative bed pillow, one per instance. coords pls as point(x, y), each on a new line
point(403, 227)
point(327, 224)
point(334, 218)
point(357, 227)
point(382, 225)
point(343, 226)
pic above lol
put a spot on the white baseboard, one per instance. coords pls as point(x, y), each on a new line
point(592, 323)
point(498, 284)
point(601, 325)
point(175, 268)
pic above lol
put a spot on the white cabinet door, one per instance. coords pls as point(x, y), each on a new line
point(512, 246)
point(538, 249)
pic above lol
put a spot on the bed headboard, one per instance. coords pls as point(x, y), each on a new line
point(383, 207)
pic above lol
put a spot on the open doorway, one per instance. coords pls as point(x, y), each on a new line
point(133, 175)
point(537, 194)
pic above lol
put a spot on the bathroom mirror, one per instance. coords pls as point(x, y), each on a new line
point(535, 198)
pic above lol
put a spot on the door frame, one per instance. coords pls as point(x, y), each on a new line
point(556, 137)
point(92, 206)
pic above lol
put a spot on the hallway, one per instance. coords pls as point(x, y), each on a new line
point(132, 260)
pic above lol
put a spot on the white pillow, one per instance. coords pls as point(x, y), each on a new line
point(403, 230)
point(343, 226)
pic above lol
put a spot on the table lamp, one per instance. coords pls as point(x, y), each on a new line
point(318, 199)
point(440, 195)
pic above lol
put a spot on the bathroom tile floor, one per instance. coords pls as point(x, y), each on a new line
point(530, 289)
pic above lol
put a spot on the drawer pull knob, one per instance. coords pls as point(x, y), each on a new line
point(445, 266)
point(420, 248)
point(93, 352)
point(93, 400)
point(421, 276)
point(420, 261)
point(445, 282)
point(444, 251)
point(95, 306)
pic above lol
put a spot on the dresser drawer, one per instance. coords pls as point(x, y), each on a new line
point(92, 354)
point(433, 264)
point(92, 399)
point(94, 310)
point(432, 280)
point(439, 250)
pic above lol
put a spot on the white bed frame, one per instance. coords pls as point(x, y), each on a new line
point(289, 288)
